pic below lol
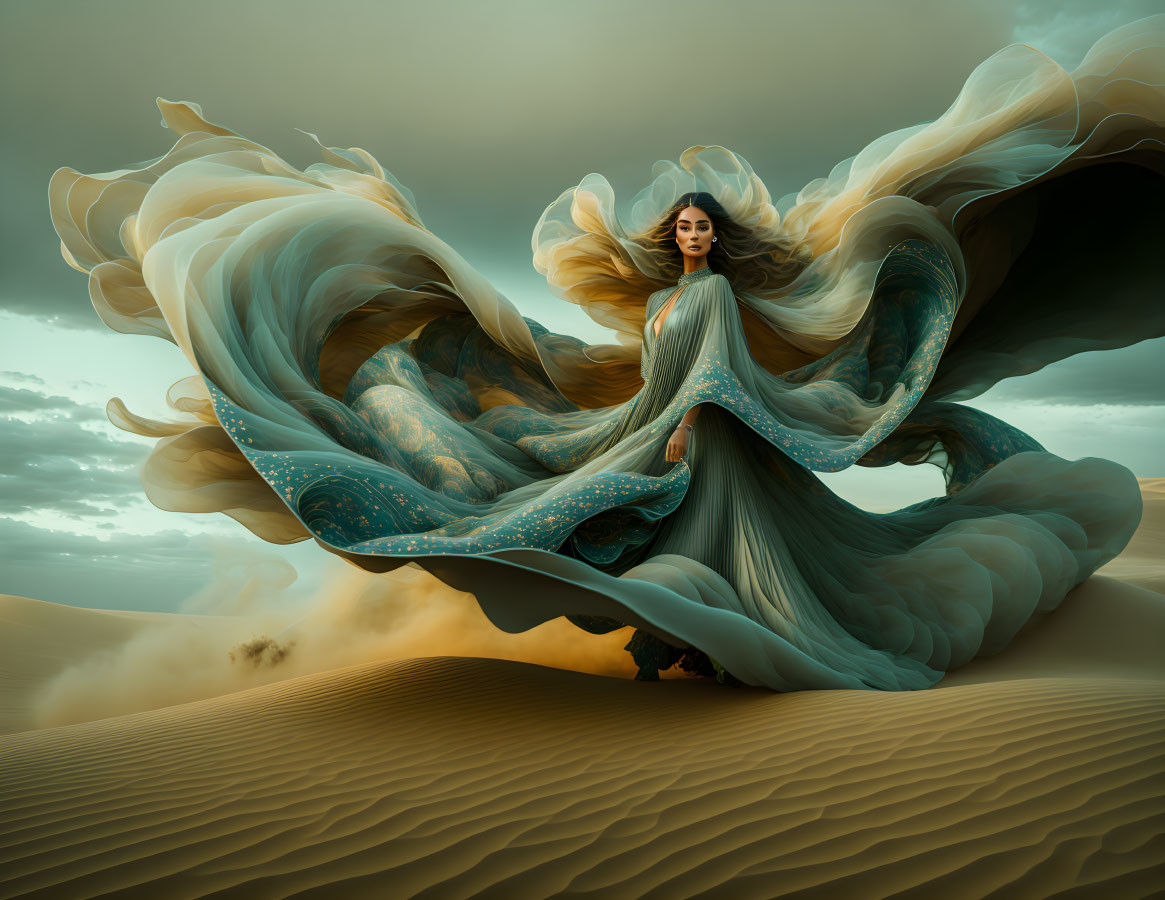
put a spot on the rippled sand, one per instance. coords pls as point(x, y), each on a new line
point(1039, 772)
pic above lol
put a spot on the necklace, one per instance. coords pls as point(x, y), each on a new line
point(689, 277)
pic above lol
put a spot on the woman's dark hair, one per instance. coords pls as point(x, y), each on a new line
point(749, 260)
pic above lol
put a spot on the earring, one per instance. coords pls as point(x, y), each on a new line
point(713, 240)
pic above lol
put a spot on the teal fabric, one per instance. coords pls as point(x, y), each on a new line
point(358, 383)
point(738, 550)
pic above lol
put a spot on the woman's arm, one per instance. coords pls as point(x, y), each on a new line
point(677, 445)
point(690, 416)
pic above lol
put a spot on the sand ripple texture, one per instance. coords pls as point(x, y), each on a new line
point(1036, 773)
point(454, 777)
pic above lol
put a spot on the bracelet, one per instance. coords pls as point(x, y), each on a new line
point(684, 425)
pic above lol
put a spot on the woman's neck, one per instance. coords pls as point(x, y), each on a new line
point(694, 265)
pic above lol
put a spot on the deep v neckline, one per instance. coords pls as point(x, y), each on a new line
point(666, 310)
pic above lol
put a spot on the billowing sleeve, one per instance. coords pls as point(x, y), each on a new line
point(725, 330)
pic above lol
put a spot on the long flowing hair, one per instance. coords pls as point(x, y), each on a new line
point(750, 259)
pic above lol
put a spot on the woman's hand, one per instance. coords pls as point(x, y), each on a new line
point(677, 444)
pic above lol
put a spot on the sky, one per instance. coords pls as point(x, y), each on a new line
point(487, 111)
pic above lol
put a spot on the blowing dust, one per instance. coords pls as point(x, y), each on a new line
point(253, 624)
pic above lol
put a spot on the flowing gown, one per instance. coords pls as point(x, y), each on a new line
point(358, 383)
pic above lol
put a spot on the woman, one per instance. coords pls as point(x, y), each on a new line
point(360, 384)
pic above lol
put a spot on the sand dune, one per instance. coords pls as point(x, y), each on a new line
point(40, 640)
point(462, 776)
point(1038, 772)
point(1143, 560)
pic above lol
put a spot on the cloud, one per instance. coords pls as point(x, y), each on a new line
point(1130, 376)
point(23, 400)
point(21, 377)
point(1066, 29)
point(56, 464)
point(123, 571)
point(24, 544)
point(793, 87)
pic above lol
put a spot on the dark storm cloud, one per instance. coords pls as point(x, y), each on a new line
point(24, 400)
point(124, 572)
point(22, 542)
point(56, 464)
point(486, 110)
point(1131, 376)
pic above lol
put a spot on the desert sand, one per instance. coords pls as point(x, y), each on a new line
point(1039, 772)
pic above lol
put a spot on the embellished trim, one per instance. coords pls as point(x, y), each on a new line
point(689, 277)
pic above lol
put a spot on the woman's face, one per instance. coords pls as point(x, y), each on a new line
point(694, 232)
